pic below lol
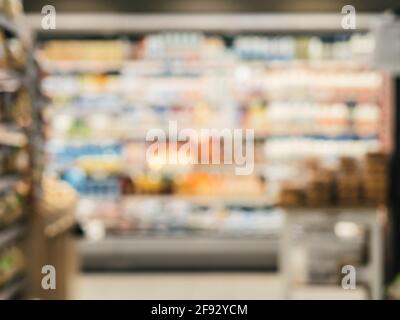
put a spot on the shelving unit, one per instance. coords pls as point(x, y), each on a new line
point(162, 87)
point(15, 171)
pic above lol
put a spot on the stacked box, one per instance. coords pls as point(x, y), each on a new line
point(319, 191)
point(348, 183)
point(291, 196)
point(375, 178)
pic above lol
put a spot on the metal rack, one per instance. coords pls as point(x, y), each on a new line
point(370, 274)
point(10, 82)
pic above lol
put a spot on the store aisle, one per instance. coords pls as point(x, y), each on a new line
point(205, 285)
point(178, 286)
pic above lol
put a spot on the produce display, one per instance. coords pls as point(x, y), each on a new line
point(152, 215)
point(15, 153)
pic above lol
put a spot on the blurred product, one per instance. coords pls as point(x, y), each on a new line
point(352, 183)
point(12, 263)
point(314, 103)
point(16, 156)
point(16, 54)
point(375, 178)
point(85, 50)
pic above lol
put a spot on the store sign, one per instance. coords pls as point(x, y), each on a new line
point(387, 46)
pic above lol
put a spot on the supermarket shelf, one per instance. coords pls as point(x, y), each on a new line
point(10, 234)
point(141, 137)
point(246, 201)
point(12, 289)
point(250, 200)
point(179, 252)
point(191, 250)
point(129, 68)
point(57, 67)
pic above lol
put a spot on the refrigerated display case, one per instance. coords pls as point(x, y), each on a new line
point(15, 150)
point(309, 96)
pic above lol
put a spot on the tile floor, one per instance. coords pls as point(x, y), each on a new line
point(215, 285)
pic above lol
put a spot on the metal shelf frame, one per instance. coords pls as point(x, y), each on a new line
point(370, 274)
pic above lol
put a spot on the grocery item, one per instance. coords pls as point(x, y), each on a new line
point(89, 50)
point(375, 178)
point(304, 97)
point(146, 215)
point(12, 263)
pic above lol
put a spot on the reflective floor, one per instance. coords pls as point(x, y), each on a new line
point(215, 285)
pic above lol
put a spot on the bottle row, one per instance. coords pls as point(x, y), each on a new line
point(146, 216)
point(236, 80)
point(196, 46)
